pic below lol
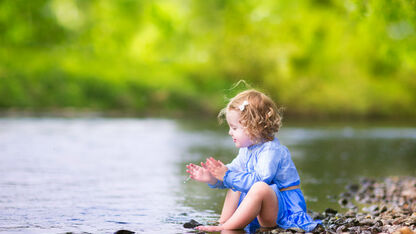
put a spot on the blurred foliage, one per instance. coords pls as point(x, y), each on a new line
point(317, 58)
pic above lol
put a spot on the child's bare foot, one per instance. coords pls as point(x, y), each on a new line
point(210, 228)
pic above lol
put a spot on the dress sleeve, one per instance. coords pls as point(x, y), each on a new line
point(219, 185)
point(264, 170)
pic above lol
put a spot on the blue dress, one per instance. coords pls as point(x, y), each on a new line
point(271, 163)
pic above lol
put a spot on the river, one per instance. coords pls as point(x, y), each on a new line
point(100, 175)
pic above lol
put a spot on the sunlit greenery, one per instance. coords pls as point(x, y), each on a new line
point(317, 58)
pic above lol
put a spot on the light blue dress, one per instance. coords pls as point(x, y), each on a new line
point(271, 163)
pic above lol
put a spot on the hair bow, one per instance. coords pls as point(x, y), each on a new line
point(243, 105)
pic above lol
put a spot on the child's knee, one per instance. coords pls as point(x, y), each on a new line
point(260, 188)
point(260, 185)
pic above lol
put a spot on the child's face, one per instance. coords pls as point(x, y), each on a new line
point(237, 131)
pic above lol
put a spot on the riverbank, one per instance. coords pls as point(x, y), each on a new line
point(373, 206)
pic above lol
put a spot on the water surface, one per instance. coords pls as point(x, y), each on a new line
point(100, 175)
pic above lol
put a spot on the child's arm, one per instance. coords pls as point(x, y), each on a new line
point(265, 170)
point(200, 174)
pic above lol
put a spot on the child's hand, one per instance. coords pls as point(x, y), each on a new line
point(211, 228)
point(200, 174)
point(216, 168)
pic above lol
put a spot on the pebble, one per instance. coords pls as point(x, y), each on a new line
point(191, 224)
point(124, 232)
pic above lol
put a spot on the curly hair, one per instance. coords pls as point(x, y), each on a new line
point(259, 115)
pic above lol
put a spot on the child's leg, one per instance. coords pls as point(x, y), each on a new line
point(260, 202)
point(230, 205)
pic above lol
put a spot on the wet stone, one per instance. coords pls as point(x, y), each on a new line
point(352, 222)
point(191, 224)
point(296, 230)
point(370, 209)
point(346, 195)
point(330, 212)
point(383, 209)
point(342, 228)
point(367, 222)
point(316, 215)
point(378, 223)
point(343, 202)
point(350, 214)
point(124, 232)
point(352, 188)
point(318, 229)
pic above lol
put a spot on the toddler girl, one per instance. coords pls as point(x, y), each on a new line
point(262, 180)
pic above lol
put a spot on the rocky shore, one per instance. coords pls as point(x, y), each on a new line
point(373, 206)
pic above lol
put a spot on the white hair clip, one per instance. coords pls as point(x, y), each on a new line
point(243, 106)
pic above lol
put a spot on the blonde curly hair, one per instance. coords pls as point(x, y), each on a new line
point(259, 115)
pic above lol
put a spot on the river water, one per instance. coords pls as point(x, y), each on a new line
point(100, 175)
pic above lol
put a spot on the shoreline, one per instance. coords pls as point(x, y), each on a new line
point(374, 206)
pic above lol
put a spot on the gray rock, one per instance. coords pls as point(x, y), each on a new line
point(367, 222)
point(191, 224)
